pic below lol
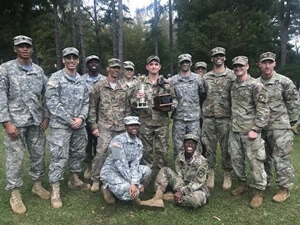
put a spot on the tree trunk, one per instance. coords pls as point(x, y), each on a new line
point(73, 27)
point(121, 39)
point(171, 37)
point(57, 38)
point(82, 44)
point(114, 29)
point(284, 21)
point(156, 19)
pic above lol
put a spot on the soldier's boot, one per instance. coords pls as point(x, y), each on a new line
point(75, 183)
point(38, 189)
point(211, 178)
point(240, 189)
point(16, 202)
point(87, 172)
point(137, 201)
point(55, 196)
point(156, 201)
point(95, 186)
point(257, 199)
point(295, 129)
point(227, 181)
point(169, 196)
point(108, 196)
point(281, 195)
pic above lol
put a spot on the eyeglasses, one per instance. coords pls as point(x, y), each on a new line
point(69, 57)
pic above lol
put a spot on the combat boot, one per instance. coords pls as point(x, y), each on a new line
point(95, 186)
point(169, 196)
point(55, 196)
point(295, 129)
point(75, 183)
point(211, 178)
point(281, 195)
point(39, 190)
point(257, 199)
point(16, 202)
point(87, 172)
point(156, 201)
point(108, 196)
point(227, 181)
point(240, 189)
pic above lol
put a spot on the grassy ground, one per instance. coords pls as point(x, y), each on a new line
point(89, 208)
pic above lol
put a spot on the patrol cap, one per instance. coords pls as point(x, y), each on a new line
point(241, 60)
point(191, 137)
point(91, 57)
point(128, 65)
point(153, 57)
point(218, 50)
point(69, 51)
point(113, 62)
point(267, 56)
point(22, 39)
point(131, 120)
point(200, 64)
point(184, 57)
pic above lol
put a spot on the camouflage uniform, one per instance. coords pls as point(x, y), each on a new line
point(21, 91)
point(190, 93)
point(155, 123)
point(92, 140)
point(216, 116)
point(284, 108)
point(122, 167)
point(67, 97)
point(108, 108)
point(189, 177)
point(250, 111)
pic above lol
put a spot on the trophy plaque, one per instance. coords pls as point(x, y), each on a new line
point(163, 102)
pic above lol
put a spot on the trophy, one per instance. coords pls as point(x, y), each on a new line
point(164, 101)
point(142, 104)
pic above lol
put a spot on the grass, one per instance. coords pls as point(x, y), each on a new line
point(81, 208)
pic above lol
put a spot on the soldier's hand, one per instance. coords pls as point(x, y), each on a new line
point(142, 188)
point(140, 94)
point(44, 124)
point(11, 130)
point(96, 132)
point(294, 128)
point(76, 123)
point(133, 191)
point(178, 196)
point(252, 134)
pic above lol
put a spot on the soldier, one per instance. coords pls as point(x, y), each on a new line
point(216, 116)
point(91, 78)
point(250, 114)
point(201, 68)
point(67, 98)
point(155, 121)
point(284, 111)
point(188, 181)
point(108, 107)
point(122, 175)
point(22, 85)
point(190, 92)
point(128, 75)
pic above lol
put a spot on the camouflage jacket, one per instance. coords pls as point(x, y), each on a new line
point(66, 98)
point(90, 83)
point(218, 101)
point(190, 94)
point(249, 108)
point(108, 107)
point(124, 160)
point(192, 172)
point(22, 92)
point(150, 116)
point(283, 101)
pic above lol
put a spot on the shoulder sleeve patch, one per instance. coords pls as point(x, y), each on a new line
point(262, 98)
point(52, 83)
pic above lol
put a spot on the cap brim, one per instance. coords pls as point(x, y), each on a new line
point(114, 65)
point(129, 67)
point(264, 59)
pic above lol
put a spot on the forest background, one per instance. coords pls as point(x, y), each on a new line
point(107, 28)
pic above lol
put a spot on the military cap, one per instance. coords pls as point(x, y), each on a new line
point(241, 60)
point(69, 51)
point(128, 65)
point(218, 50)
point(91, 57)
point(152, 57)
point(131, 120)
point(113, 62)
point(267, 56)
point(191, 137)
point(22, 39)
point(184, 57)
point(200, 64)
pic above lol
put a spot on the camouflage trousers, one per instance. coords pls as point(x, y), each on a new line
point(102, 145)
point(120, 188)
point(181, 128)
point(34, 139)
point(90, 150)
point(216, 130)
point(241, 148)
point(154, 138)
point(279, 144)
point(67, 146)
point(167, 177)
